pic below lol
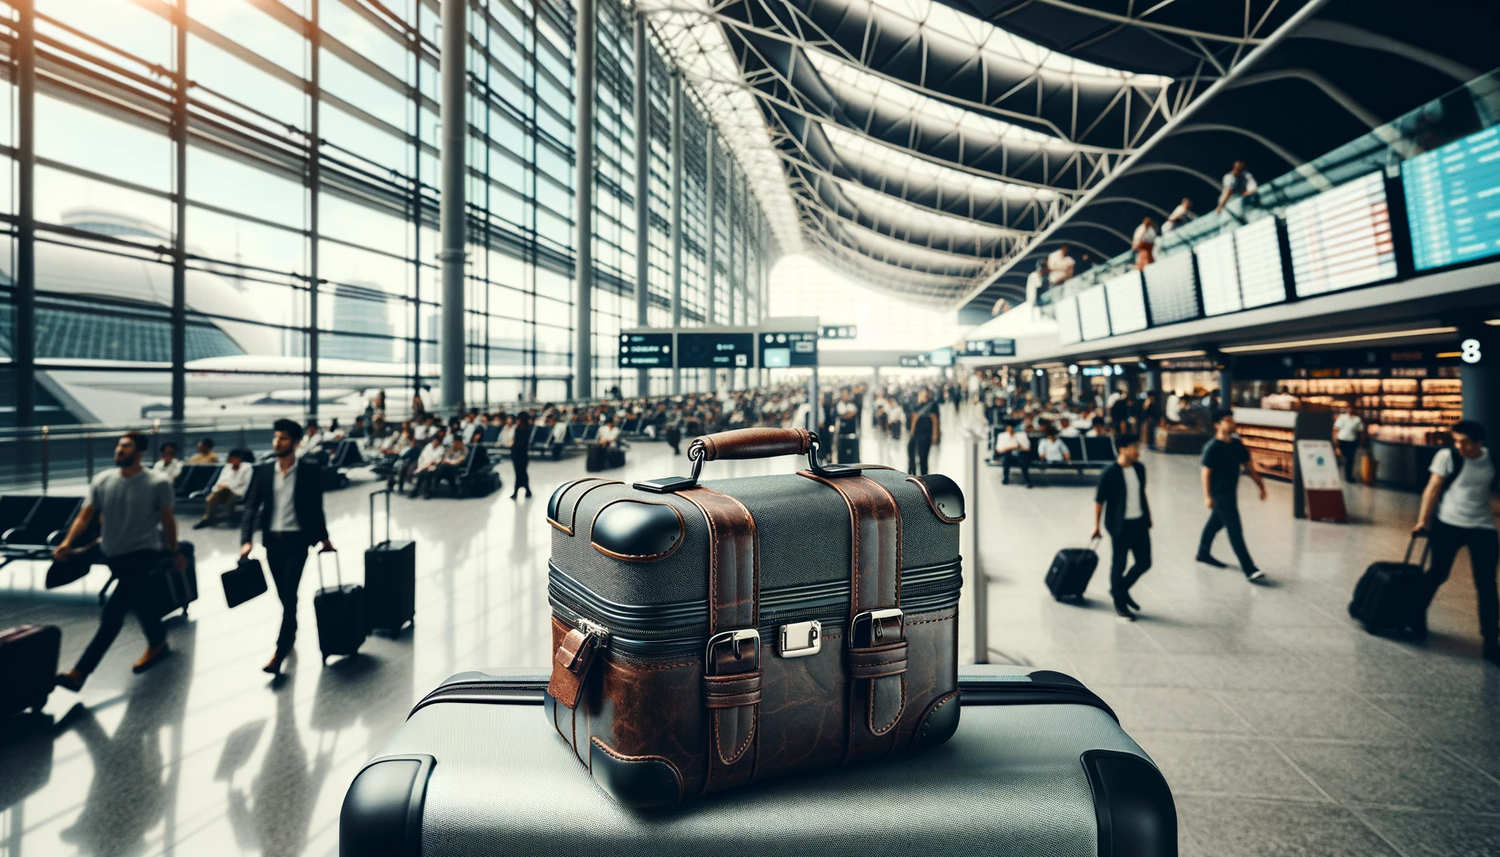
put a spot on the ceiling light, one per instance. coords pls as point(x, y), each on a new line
point(1174, 355)
point(1125, 360)
point(1340, 340)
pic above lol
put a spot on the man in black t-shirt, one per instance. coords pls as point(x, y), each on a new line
point(1224, 456)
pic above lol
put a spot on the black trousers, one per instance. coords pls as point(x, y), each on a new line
point(1225, 515)
point(520, 462)
point(1349, 450)
point(1015, 458)
point(286, 554)
point(556, 451)
point(916, 454)
point(1134, 537)
point(1484, 555)
point(129, 595)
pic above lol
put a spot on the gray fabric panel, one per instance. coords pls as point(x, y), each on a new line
point(803, 530)
point(1009, 783)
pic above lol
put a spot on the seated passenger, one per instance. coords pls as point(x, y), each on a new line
point(449, 467)
point(1013, 449)
point(1066, 428)
point(234, 483)
point(430, 456)
point(1052, 450)
point(169, 465)
point(311, 440)
point(205, 453)
point(609, 433)
point(507, 432)
point(360, 430)
point(558, 436)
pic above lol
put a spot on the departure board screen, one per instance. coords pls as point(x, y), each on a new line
point(645, 351)
point(1068, 332)
point(782, 350)
point(1257, 253)
point(1452, 203)
point(1341, 238)
point(1127, 303)
point(716, 350)
point(1093, 314)
point(1171, 290)
point(1218, 275)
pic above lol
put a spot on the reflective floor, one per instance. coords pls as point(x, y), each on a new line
point(1282, 728)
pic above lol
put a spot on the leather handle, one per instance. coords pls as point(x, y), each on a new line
point(752, 443)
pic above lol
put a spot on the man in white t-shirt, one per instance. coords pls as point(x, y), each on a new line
point(1347, 430)
point(1013, 448)
point(1060, 266)
point(1237, 182)
point(1456, 514)
point(1052, 450)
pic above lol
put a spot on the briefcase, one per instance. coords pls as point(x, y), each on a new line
point(243, 582)
point(710, 634)
point(1039, 766)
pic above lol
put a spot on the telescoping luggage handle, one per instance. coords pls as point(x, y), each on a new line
point(746, 444)
point(1426, 538)
point(373, 495)
point(338, 570)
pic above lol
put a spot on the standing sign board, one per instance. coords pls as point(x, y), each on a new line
point(1322, 484)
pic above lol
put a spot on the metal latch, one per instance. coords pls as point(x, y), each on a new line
point(800, 639)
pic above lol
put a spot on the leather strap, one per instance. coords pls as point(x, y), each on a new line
point(570, 665)
point(876, 662)
point(731, 669)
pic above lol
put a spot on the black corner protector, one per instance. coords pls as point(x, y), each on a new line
point(938, 723)
point(1053, 677)
point(1133, 805)
point(638, 531)
point(944, 495)
point(636, 782)
point(384, 806)
point(556, 499)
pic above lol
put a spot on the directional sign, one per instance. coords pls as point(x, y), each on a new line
point(840, 331)
point(646, 351)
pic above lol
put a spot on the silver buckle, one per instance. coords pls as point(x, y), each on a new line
point(800, 639)
point(875, 618)
point(733, 638)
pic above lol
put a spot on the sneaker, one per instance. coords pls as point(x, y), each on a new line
point(72, 680)
point(1206, 559)
point(152, 657)
point(202, 524)
point(1254, 575)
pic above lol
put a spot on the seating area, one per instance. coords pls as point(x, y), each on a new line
point(31, 525)
point(1087, 454)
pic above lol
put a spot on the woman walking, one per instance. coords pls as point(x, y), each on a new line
point(520, 453)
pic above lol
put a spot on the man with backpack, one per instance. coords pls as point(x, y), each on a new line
point(1456, 514)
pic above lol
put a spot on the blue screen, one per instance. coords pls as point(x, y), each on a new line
point(1453, 201)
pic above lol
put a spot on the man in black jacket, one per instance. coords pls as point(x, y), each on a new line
point(1121, 500)
point(286, 502)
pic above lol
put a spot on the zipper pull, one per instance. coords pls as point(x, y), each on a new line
point(573, 659)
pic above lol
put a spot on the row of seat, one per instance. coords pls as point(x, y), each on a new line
point(31, 524)
point(1084, 453)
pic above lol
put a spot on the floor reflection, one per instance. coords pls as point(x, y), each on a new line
point(276, 814)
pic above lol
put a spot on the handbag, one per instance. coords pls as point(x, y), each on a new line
point(243, 582)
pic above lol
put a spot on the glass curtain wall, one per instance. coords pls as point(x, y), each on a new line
point(247, 189)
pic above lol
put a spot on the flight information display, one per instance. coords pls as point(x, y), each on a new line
point(645, 351)
point(1127, 303)
point(1341, 238)
point(1068, 332)
point(940, 357)
point(1218, 275)
point(1172, 289)
point(1093, 313)
point(1453, 201)
point(783, 350)
point(723, 350)
point(1257, 252)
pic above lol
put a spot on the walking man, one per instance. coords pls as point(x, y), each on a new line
point(286, 503)
point(1347, 430)
point(136, 524)
point(1224, 456)
point(924, 433)
point(1456, 514)
point(1121, 501)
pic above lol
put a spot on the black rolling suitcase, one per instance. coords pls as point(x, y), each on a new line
point(1071, 571)
point(1038, 765)
point(28, 666)
point(1392, 596)
point(166, 587)
point(390, 577)
point(340, 609)
point(596, 459)
point(616, 457)
point(848, 452)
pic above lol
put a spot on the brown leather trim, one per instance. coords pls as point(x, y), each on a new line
point(570, 665)
point(626, 557)
point(753, 443)
point(573, 512)
point(931, 503)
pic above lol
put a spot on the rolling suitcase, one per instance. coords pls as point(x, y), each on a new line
point(596, 459)
point(341, 613)
point(1392, 596)
point(616, 457)
point(1071, 570)
point(28, 665)
point(166, 587)
point(710, 634)
point(1038, 765)
point(390, 577)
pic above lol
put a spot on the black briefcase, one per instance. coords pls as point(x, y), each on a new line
point(243, 582)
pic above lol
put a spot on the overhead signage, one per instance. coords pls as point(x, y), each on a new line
point(1451, 207)
point(1127, 303)
point(1093, 313)
point(1341, 238)
point(1069, 331)
point(715, 350)
point(839, 331)
point(646, 351)
point(989, 348)
point(1172, 289)
point(1218, 275)
point(940, 357)
point(913, 361)
point(786, 349)
point(1257, 254)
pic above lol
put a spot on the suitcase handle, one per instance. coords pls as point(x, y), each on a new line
point(387, 493)
point(1426, 538)
point(338, 569)
point(739, 444)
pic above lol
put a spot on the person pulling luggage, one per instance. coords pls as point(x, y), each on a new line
point(286, 503)
point(1224, 456)
point(1121, 501)
point(1456, 514)
point(136, 524)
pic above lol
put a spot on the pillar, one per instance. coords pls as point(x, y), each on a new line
point(1481, 379)
point(676, 216)
point(583, 209)
point(711, 287)
point(314, 190)
point(24, 335)
point(452, 217)
point(179, 229)
point(642, 189)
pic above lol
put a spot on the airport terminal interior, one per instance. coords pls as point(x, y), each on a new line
point(1166, 332)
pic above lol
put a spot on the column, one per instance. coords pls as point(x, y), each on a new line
point(642, 189)
point(179, 241)
point(1481, 382)
point(676, 156)
point(710, 290)
point(583, 208)
point(453, 78)
point(24, 335)
point(735, 380)
point(314, 188)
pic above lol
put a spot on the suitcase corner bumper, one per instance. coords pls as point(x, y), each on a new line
point(382, 810)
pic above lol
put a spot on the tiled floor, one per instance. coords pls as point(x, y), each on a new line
point(1282, 728)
